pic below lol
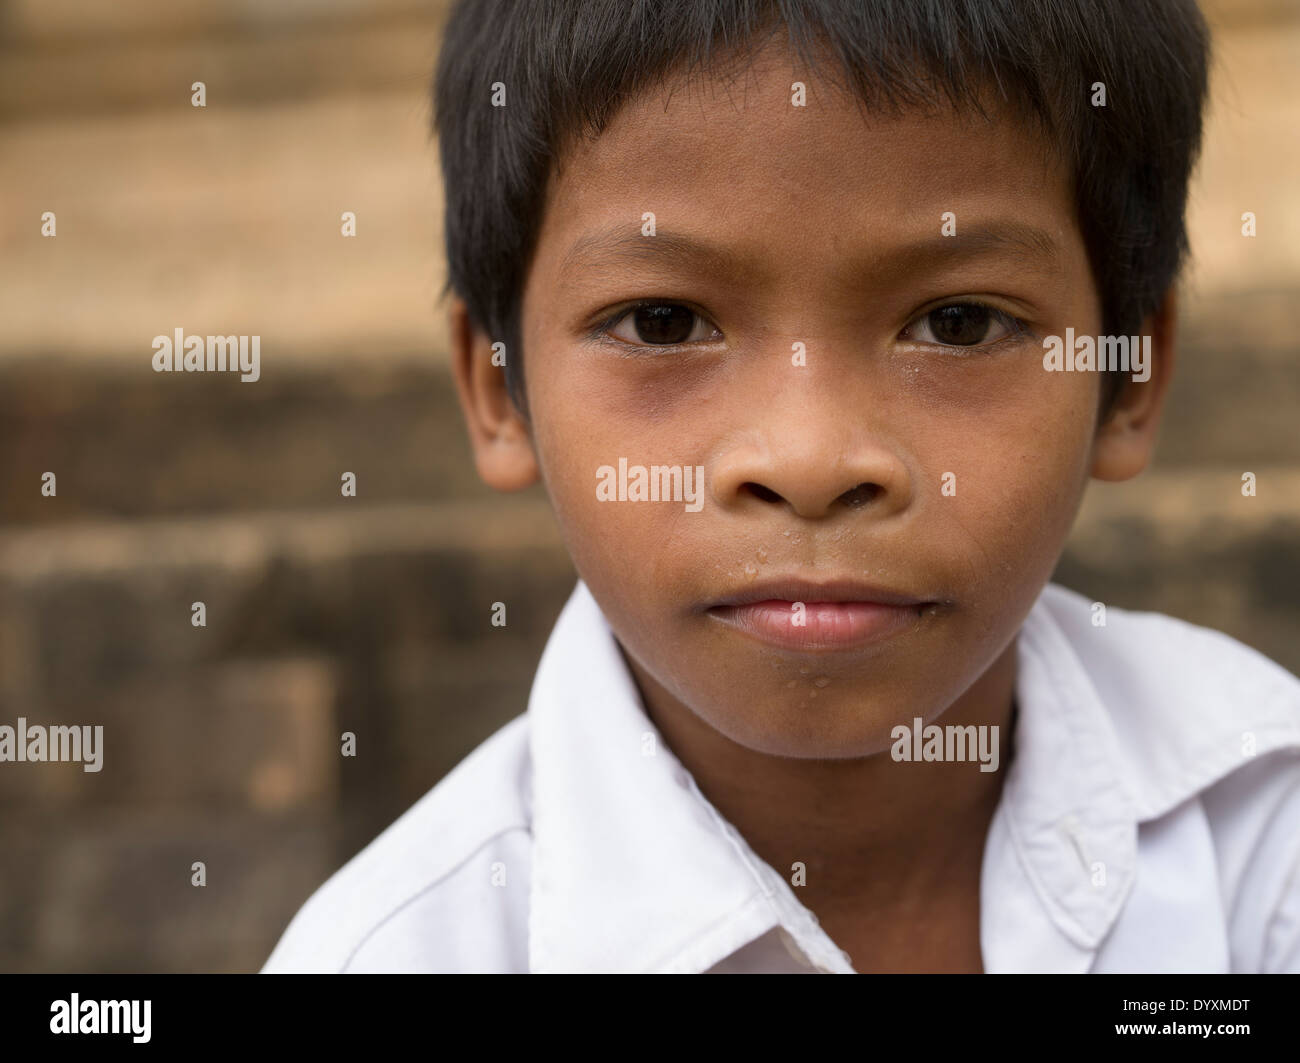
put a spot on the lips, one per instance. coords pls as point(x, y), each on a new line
point(807, 615)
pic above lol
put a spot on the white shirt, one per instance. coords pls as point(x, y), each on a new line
point(562, 845)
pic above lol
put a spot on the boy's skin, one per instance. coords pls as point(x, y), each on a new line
point(830, 221)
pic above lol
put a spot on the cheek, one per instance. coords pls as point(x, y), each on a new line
point(1018, 461)
point(615, 544)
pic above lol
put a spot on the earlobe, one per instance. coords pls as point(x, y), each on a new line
point(498, 434)
point(1126, 438)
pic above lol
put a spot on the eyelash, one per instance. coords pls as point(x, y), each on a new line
point(1016, 327)
point(600, 331)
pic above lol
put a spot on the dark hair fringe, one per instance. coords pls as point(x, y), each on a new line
point(570, 65)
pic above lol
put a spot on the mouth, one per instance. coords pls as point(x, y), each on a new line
point(806, 615)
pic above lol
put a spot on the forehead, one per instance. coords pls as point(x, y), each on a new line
point(735, 155)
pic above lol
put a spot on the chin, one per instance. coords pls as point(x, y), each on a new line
point(800, 732)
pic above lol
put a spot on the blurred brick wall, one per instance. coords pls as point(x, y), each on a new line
point(370, 614)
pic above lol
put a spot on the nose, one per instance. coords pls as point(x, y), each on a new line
point(816, 472)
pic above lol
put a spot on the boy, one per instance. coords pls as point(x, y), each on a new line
point(812, 328)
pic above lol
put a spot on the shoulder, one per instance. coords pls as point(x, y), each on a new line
point(1187, 705)
point(1151, 655)
point(1254, 819)
point(441, 889)
point(1201, 719)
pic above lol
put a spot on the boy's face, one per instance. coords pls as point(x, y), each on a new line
point(927, 458)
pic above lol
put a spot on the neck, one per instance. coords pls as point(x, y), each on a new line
point(868, 829)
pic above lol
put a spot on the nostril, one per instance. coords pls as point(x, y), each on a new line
point(860, 495)
point(766, 494)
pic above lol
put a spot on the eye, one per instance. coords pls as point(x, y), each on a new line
point(659, 325)
point(962, 325)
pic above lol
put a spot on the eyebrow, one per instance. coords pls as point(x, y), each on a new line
point(622, 245)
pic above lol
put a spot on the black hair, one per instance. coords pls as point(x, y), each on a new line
point(567, 67)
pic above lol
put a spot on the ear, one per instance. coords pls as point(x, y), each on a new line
point(1126, 439)
point(503, 447)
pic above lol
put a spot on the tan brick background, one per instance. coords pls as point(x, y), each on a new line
point(370, 615)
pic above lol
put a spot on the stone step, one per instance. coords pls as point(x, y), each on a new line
point(377, 622)
point(1235, 397)
point(144, 444)
point(82, 57)
point(254, 733)
point(114, 599)
point(105, 891)
point(1190, 544)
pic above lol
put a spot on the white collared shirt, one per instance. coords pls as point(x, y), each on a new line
point(1150, 821)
